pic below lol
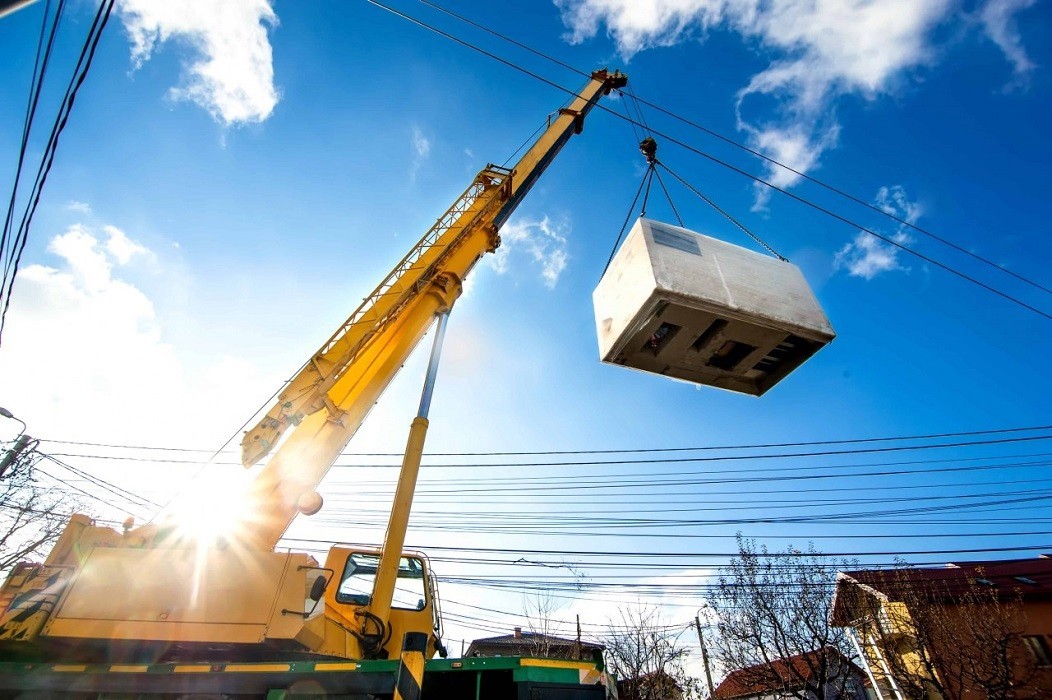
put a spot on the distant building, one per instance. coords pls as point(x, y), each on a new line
point(653, 686)
point(521, 643)
point(785, 678)
point(954, 631)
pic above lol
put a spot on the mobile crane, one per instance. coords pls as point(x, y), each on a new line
point(150, 611)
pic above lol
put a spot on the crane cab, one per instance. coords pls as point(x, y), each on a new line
point(348, 606)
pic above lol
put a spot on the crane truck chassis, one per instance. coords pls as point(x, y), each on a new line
point(151, 612)
point(508, 678)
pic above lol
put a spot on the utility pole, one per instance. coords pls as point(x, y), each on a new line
point(14, 453)
point(704, 656)
point(21, 442)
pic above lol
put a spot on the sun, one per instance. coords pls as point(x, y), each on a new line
point(214, 507)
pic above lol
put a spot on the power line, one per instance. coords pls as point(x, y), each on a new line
point(755, 178)
point(726, 139)
point(752, 446)
point(564, 528)
point(40, 65)
point(695, 555)
point(107, 486)
point(652, 476)
point(652, 450)
point(80, 72)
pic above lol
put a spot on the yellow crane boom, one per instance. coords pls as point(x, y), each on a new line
point(331, 395)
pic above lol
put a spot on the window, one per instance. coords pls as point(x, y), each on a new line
point(1038, 646)
point(661, 337)
point(359, 575)
point(729, 355)
point(708, 334)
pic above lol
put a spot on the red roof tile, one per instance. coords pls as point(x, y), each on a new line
point(791, 672)
point(1028, 577)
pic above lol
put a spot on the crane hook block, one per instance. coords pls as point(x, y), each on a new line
point(648, 147)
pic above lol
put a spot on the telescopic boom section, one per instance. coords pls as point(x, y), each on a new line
point(331, 395)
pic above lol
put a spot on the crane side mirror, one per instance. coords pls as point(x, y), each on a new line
point(317, 589)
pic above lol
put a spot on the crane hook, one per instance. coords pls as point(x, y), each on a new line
point(648, 147)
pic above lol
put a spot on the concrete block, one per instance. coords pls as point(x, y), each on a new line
point(688, 306)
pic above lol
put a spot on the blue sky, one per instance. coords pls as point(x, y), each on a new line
point(233, 182)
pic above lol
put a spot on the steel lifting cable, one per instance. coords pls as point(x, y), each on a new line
point(646, 195)
point(667, 195)
point(648, 147)
point(632, 120)
point(730, 218)
point(628, 217)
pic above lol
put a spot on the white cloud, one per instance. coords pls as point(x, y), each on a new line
point(84, 354)
point(233, 76)
point(79, 207)
point(543, 241)
point(82, 347)
point(819, 52)
point(998, 21)
point(421, 144)
point(421, 150)
point(794, 145)
point(122, 248)
point(867, 256)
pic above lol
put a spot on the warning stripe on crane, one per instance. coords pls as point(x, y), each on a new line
point(411, 667)
point(377, 677)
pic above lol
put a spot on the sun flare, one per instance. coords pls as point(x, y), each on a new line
point(214, 507)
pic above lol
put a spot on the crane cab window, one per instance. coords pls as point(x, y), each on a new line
point(359, 575)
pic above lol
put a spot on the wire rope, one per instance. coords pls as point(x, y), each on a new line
point(732, 142)
point(80, 74)
point(755, 178)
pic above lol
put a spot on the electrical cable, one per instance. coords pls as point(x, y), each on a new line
point(650, 450)
point(747, 149)
point(755, 178)
point(693, 555)
point(772, 475)
point(725, 505)
point(111, 488)
point(71, 486)
point(40, 65)
point(737, 458)
point(612, 477)
point(825, 210)
point(80, 73)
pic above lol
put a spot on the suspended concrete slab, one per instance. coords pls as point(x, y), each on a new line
point(684, 305)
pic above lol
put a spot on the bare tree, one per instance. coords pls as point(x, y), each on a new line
point(949, 636)
point(648, 658)
point(539, 610)
point(773, 606)
point(32, 516)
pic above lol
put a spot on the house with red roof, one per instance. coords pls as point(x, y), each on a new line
point(969, 630)
point(797, 677)
point(520, 643)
